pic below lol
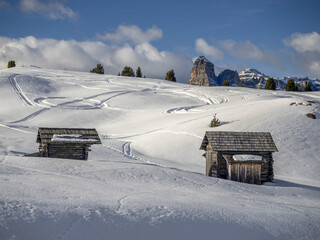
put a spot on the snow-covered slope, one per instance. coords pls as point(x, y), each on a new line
point(146, 180)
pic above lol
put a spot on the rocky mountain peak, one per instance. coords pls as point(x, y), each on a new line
point(230, 75)
point(203, 73)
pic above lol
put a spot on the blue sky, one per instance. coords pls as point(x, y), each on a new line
point(277, 37)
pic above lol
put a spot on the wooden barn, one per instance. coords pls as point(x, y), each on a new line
point(73, 143)
point(239, 156)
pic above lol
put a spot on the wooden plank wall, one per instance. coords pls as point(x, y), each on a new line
point(245, 172)
point(216, 166)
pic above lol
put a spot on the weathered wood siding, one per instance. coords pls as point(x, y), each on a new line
point(244, 172)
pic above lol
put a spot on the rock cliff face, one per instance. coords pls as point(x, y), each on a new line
point(203, 73)
point(231, 76)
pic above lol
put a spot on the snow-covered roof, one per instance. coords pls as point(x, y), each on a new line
point(68, 135)
point(246, 157)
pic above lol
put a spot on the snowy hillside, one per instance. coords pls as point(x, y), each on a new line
point(146, 180)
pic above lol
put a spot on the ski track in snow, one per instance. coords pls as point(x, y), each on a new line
point(32, 115)
point(15, 128)
point(69, 228)
point(18, 90)
point(64, 105)
point(244, 97)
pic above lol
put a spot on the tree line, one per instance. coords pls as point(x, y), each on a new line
point(170, 76)
point(129, 72)
point(290, 86)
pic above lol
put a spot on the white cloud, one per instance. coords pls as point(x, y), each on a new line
point(307, 47)
point(309, 42)
point(202, 47)
point(133, 34)
point(242, 49)
point(53, 10)
point(83, 56)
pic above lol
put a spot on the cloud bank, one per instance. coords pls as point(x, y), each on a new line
point(52, 10)
point(84, 55)
point(307, 48)
point(242, 49)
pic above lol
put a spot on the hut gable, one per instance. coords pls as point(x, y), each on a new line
point(71, 143)
point(223, 147)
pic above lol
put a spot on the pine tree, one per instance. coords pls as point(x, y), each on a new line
point(99, 69)
point(290, 85)
point(127, 71)
point(225, 83)
point(270, 85)
point(138, 72)
point(240, 84)
point(308, 87)
point(215, 121)
point(11, 64)
point(170, 76)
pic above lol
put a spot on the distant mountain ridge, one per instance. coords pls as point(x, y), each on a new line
point(203, 74)
point(251, 77)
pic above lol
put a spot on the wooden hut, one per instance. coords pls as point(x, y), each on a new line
point(73, 143)
point(225, 152)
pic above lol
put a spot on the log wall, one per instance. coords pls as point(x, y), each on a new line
point(65, 150)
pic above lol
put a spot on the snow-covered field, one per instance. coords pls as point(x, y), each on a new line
point(146, 180)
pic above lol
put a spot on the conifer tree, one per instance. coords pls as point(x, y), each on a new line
point(11, 64)
point(271, 84)
point(290, 85)
point(99, 69)
point(240, 84)
point(215, 121)
point(170, 76)
point(138, 72)
point(225, 83)
point(308, 87)
point(127, 71)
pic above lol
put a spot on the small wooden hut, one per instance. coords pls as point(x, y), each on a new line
point(235, 156)
point(73, 143)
